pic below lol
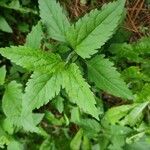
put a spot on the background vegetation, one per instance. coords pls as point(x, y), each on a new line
point(123, 125)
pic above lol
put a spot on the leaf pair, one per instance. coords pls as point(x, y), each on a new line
point(94, 29)
point(86, 35)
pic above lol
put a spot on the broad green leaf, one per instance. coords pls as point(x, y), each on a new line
point(34, 38)
point(12, 102)
point(4, 26)
point(32, 60)
point(77, 140)
point(94, 29)
point(79, 91)
point(40, 89)
point(2, 75)
point(105, 77)
point(54, 19)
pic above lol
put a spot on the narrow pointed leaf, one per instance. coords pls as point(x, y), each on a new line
point(77, 140)
point(79, 91)
point(30, 59)
point(54, 19)
point(34, 38)
point(105, 77)
point(136, 115)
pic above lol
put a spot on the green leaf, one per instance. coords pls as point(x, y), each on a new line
point(2, 75)
point(12, 102)
point(32, 60)
point(115, 114)
point(34, 38)
point(4, 26)
point(40, 89)
point(79, 91)
point(105, 77)
point(94, 29)
point(53, 17)
point(76, 141)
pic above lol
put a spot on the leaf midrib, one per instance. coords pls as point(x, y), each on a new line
point(106, 79)
point(94, 29)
